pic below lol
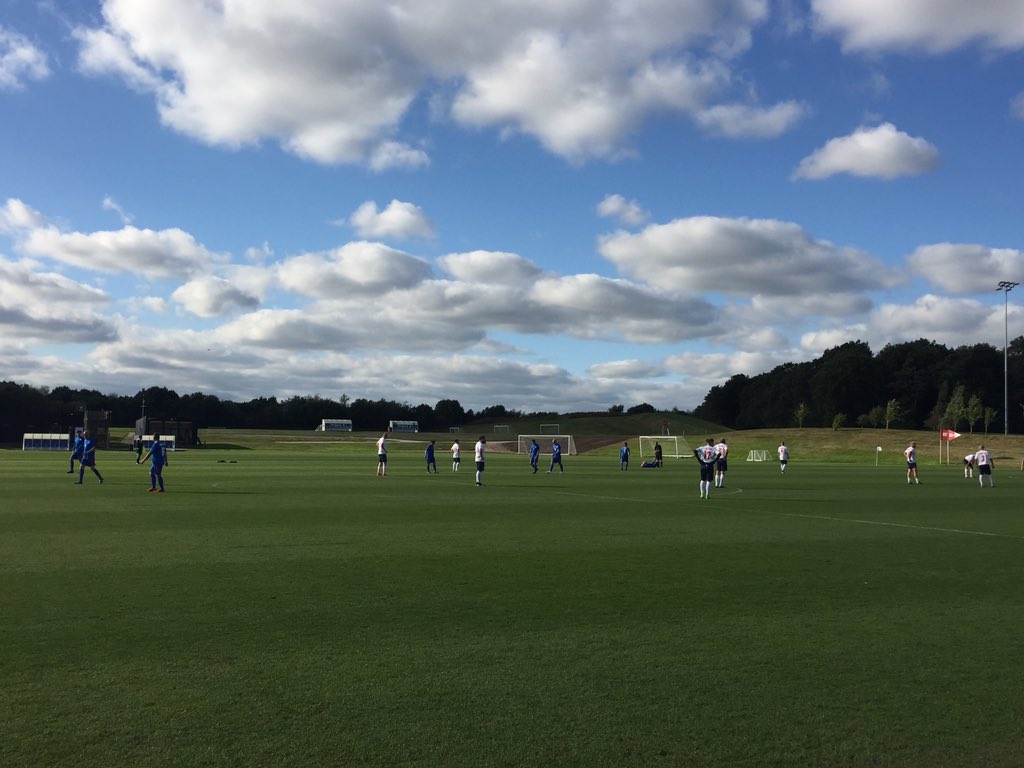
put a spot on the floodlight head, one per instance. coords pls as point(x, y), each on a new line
point(1006, 285)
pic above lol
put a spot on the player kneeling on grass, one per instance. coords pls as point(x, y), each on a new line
point(157, 454)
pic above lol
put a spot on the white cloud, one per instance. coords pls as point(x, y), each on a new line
point(358, 267)
point(210, 296)
point(742, 121)
point(490, 268)
point(393, 154)
point(627, 369)
point(882, 152)
point(20, 60)
point(155, 254)
point(154, 304)
point(940, 318)
point(875, 25)
point(110, 204)
point(400, 220)
point(1017, 106)
point(965, 267)
point(627, 212)
point(16, 217)
point(49, 308)
point(334, 80)
point(745, 257)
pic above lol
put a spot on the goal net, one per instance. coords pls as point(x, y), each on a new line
point(672, 446)
point(757, 456)
point(544, 441)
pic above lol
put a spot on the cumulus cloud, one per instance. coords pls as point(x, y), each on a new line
point(490, 267)
point(49, 308)
point(394, 154)
point(882, 152)
point(358, 267)
point(747, 257)
point(16, 217)
point(965, 267)
point(155, 254)
point(743, 121)
point(400, 220)
point(211, 296)
point(334, 81)
point(20, 60)
point(627, 369)
point(627, 212)
point(945, 320)
point(936, 27)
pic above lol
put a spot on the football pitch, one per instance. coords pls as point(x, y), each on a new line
point(288, 608)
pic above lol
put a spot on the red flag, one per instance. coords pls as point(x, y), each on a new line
point(948, 434)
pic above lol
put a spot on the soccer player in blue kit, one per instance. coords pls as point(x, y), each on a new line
point(88, 458)
point(158, 455)
point(534, 455)
point(556, 457)
point(624, 456)
point(76, 451)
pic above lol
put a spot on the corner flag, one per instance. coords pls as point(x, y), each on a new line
point(948, 434)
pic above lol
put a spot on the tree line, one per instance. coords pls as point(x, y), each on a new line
point(25, 408)
point(913, 385)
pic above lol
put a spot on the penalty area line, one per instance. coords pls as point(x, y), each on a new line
point(902, 525)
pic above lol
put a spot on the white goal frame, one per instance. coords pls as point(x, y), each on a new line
point(500, 428)
point(554, 428)
point(757, 456)
point(544, 441)
point(672, 446)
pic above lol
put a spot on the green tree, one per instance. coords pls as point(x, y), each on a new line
point(876, 416)
point(893, 411)
point(988, 417)
point(838, 421)
point(973, 411)
point(800, 414)
point(955, 408)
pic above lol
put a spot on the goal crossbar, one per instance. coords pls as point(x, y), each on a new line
point(672, 446)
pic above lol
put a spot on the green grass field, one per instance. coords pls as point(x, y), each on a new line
point(282, 606)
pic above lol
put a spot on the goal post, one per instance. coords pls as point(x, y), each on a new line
point(551, 430)
point(672, 446)
point(757, 456)
point(544, 441)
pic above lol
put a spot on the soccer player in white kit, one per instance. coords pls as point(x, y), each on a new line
point(783, 457)
point(480, 454)
point(721, 463)
point(707, 457)
point(911, 455)
point(969, 465)
point(985, 465)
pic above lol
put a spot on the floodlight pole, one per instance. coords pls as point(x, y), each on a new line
point(1006, 286)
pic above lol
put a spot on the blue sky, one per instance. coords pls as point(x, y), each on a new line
point(561, 205)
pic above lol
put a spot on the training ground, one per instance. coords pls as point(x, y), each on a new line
point(282, 606)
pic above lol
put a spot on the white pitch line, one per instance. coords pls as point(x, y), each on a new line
point(901, 525)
